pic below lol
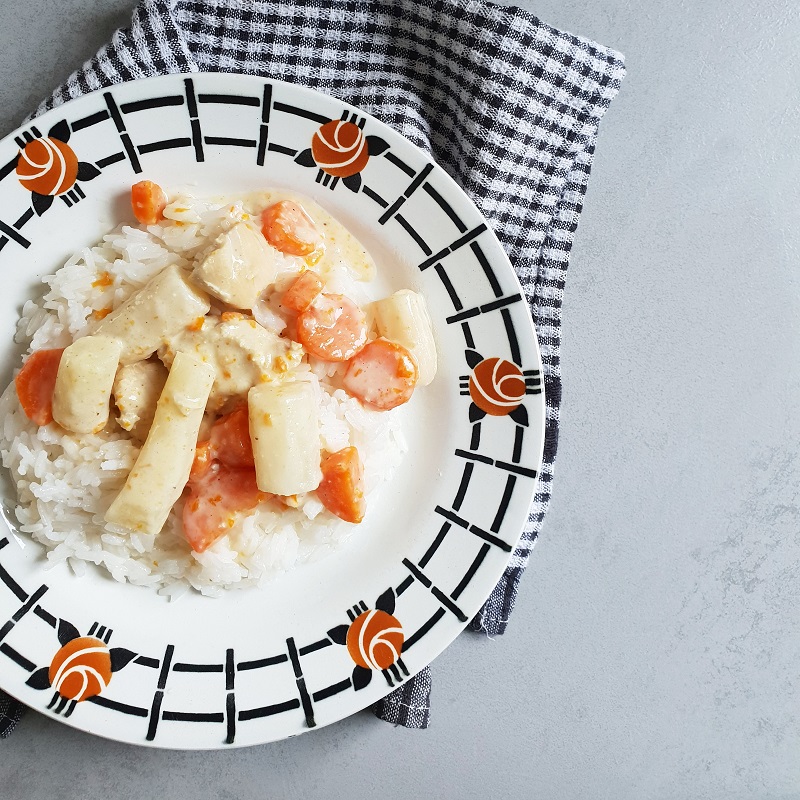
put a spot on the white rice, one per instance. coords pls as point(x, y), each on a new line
point(66, 482)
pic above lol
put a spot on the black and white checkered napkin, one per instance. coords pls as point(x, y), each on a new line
point(506, 104)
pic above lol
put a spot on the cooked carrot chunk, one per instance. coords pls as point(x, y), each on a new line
point(35, 383)
point(148, 201)
point(303, 291)
point(288, 228)
point(341, 490)
point(333, 329)
point(382, 375)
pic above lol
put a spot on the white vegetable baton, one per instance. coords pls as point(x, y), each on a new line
point(161, 308)
point(83, 384)
point(403, 318)
point(284, 430)
point(162, 469)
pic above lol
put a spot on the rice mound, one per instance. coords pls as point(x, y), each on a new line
point(65, 483)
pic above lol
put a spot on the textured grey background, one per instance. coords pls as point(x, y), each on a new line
point(655, 647)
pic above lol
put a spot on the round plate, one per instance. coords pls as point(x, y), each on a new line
point(332, 637)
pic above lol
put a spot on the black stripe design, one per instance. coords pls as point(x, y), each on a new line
point(87, 122)
point(312, 648)
point(230, 716)
point(445, 206)
point(374, 196)
point(123, 708)
point(463, 486)
point(226, 140)
point(158, 699)
point(412, 187)
point(164, 144)
point(415, 637)
point(22, 610)
point(102, 163)
point(263, 131)
point(409, 229)
point(514, 468)
point(268, 711)
point(183, 667)
point(435, 591)
point(457, 244)
point(454, 298)
point(470, 573)
point(474, 529)
point(191, 106)
point(511, 333)
point(152, 102)
point(145, 661)
point(279, 148)
point(486, 267)
point(18, 591)
point(484, 309)
point(17, 658)
point(130, 150)
point(504, 501)
point(330, 691)
point(14, 235)
point(242, 666)
point(431, 551)
point(229, 99)
point(230, 670)
point(400, 164)
point(305, 699)
point(27, 215)
point(301, 112)
point(45, 615)
point(192, 716)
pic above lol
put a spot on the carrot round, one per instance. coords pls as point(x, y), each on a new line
point(382, 375)
point(214, 500)
point(333, 329)
point(35, 383)
point(230, 439)
point(341, 490)
point(148, 201)
point(288, 228)
point(302, 292)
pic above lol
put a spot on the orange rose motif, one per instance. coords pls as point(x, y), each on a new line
point(47, 166)
point(340, 148)
point(497, 386)
point(81, 669)
point(375, 640)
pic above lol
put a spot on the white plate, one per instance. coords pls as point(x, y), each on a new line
point(263, 664)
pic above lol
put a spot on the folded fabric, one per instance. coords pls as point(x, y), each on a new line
point(506, 104)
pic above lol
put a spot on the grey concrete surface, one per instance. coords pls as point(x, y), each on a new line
point(655, 648)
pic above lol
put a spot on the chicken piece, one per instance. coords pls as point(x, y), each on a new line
point(161, 308)
point(137, 388)
point(162, 468)
point(240, 268)
point(241, 353)
point(83, 384)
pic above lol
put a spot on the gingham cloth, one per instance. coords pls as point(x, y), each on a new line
point(506, 104)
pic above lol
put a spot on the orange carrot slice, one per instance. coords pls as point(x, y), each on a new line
point(148, 201)
point(35, 383)
point(215, 499)
point(382, 375)
point(341, 490)
point(333, 329)
point(302, 292)
point(288, 228)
